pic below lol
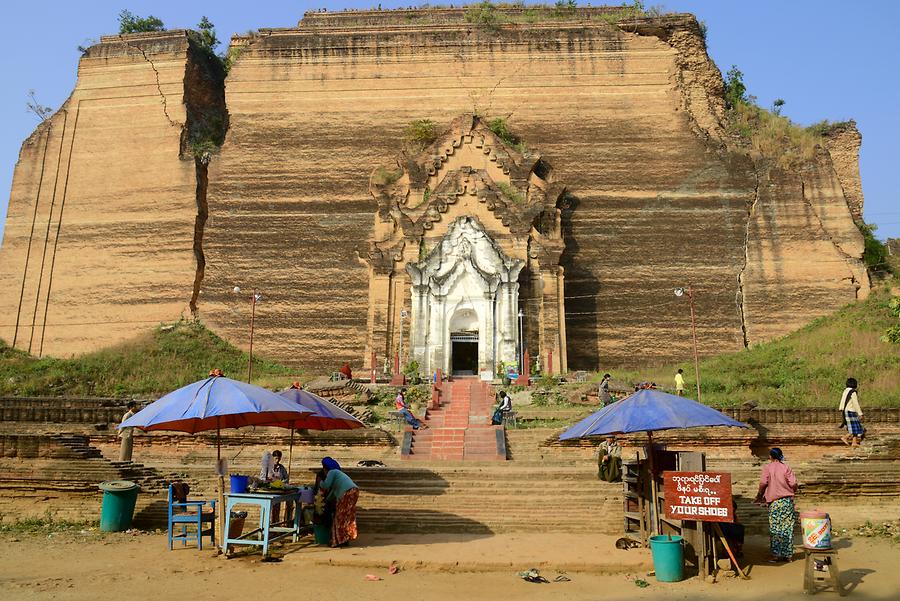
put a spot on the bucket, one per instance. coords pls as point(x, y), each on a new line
point(816, 526)
point(668, 557)
point(306, 495)
point(236, 526)
point(239, 483)
point(322, 534)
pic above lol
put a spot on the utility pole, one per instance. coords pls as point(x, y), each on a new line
point(679, 292)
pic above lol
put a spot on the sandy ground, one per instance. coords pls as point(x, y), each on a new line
point(125, 567)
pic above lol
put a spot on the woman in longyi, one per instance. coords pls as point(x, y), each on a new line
point(777, 486)
point(342, 493)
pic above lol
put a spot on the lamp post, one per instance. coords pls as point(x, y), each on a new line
point(679, 292)
point(255, 297)
point(521, 340)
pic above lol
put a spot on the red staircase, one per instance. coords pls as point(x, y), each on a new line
point(460, 428)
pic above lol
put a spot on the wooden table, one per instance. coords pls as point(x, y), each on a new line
point(266, 533)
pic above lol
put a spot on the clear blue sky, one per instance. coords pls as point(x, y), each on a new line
point(827, 59)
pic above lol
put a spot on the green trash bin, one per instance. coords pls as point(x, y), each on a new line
point(119, 497)
point(668, 557)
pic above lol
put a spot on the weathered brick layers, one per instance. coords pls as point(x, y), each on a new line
point(629, 116)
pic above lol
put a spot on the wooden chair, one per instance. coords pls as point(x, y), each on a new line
point(190, 513)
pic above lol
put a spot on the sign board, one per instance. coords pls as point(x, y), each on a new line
point(698, 496)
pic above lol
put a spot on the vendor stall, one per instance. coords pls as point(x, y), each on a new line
point(267, 532)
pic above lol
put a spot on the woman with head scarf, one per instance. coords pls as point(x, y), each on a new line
point(777, 486)
point(342, 493)
point(605, 397)
point(850, 413)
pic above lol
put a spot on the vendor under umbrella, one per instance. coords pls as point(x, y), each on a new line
point(609, 460)
point(342, 494)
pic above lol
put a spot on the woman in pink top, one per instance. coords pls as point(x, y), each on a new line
point(777, 485)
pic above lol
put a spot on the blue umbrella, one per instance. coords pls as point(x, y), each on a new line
point(212, 404)
point(215, 403)
point(325, 415)
point(647, 411)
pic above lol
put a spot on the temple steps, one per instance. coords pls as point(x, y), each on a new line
point(459, 429)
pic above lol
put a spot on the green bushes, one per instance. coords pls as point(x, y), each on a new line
point(875, 254)
point(131, 23)
point(892, 334)
point(774, 136)
point(490, 16)
point(735, 89)
point(510, 192)
point(825, 127)
point(384, 177)
point(420, 133)
point(500, 127)
point(155, 363)
point(484, 14)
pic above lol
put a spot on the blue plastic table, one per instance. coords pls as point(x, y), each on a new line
point(266, 533)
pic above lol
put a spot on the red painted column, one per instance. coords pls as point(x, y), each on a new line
point(526, 370)
point(398, 379)
point(372, 377)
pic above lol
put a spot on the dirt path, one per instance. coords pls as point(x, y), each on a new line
point(123, 567)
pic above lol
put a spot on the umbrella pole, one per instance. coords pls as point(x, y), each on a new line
point(290, 455)
point(220, 519)
point(654, 488)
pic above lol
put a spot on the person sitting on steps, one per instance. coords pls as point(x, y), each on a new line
point(504, 404)
point(401, 406)
point(609, 460)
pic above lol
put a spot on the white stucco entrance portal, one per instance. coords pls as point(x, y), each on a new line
point(465, 292)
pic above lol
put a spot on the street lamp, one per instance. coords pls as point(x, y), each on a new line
point(254, 298)
point(521, 340)
point(679, 292)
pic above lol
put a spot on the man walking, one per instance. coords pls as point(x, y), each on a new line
point(125, 434)
point(679, 383)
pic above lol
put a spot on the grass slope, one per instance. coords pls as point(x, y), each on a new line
point(148, 366)
point(807, 368)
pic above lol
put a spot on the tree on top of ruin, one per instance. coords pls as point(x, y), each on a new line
point(207, 32)
point(131, 23)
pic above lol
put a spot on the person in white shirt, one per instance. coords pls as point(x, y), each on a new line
point(126, 434)
point(504, 404)
point(279, 472)
point(679, 383)
point(851, 413)
point(505, 401)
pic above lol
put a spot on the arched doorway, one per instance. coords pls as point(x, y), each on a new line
point(464, 342)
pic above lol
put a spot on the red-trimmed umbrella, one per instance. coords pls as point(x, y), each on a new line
point(212, 404)
point(325, 416)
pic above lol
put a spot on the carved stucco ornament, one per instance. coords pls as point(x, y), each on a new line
point(465, 224)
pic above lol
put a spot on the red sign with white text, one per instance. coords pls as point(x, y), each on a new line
point(698, 496)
